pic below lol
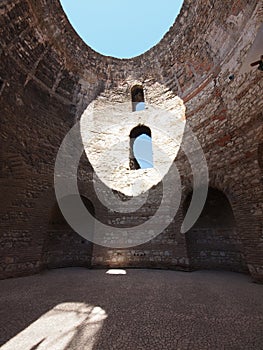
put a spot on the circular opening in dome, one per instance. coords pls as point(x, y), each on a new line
point(122, 29)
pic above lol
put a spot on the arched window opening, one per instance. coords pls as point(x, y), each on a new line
point(141, 154)
point(213, 243)
point(63, 246)
point(138, 103)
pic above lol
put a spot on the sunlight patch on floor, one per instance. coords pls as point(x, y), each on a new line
point(60, 328)
point(116, 272)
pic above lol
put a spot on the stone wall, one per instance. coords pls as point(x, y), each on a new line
point(48, 77)
point(213, 241)
point(62, 246)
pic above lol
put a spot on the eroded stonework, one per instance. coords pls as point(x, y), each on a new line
point(105, 129)
point(48, 77)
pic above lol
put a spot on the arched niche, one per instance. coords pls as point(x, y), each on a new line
point(213, 243)
point(63, 246)
point(135, 134)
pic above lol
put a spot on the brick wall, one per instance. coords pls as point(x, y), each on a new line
point(48, 76)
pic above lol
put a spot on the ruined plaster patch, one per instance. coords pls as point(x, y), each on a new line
point(105, 131)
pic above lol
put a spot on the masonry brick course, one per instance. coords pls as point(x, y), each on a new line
point(48, 78)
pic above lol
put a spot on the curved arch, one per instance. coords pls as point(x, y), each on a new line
point(50, 222)
point(134, 134)
point(247, 224)
point(63, 246)
point(213, 243)
point(137, 95)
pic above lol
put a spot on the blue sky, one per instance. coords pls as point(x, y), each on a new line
point(121, 28)
point(143, 151)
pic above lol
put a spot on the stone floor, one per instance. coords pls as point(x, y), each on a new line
point(143, 309)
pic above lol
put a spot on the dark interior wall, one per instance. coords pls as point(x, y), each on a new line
point(48, 76)
point(213, 241)
point(28, 151)
point(38, 107)
point(63, 247)
point(260, 156)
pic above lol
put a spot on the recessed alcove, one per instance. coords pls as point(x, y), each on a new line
point(141, 156)
point(63, 246)
point(213, 241)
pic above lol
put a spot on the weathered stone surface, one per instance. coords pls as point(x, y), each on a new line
point(106, 127)
point(48, 77)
